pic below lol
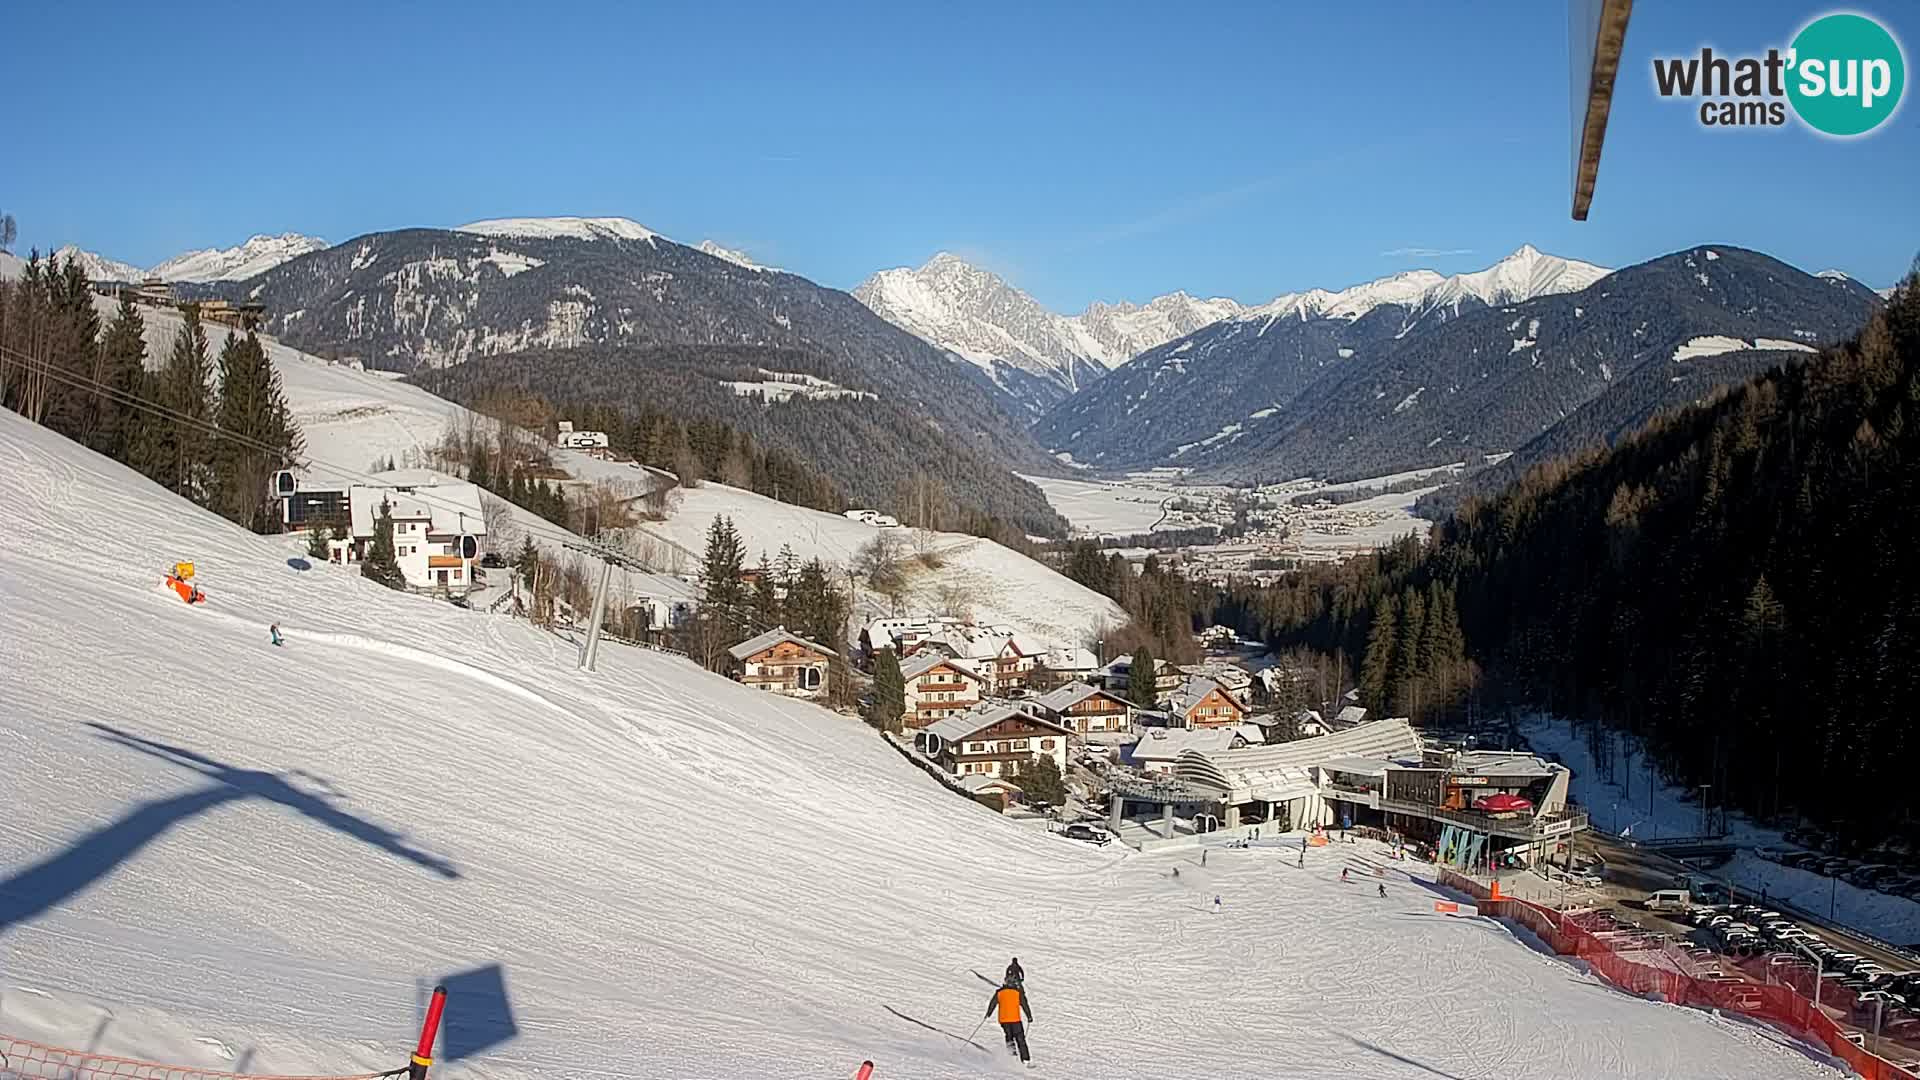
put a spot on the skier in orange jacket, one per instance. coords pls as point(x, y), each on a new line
point(1010, 1001)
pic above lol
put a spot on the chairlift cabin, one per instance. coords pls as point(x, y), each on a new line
point(467, 546)
point(284, 483)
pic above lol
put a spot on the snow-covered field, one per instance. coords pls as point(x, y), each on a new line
point(997, 584)
point(1892, 918)
point(224, 854)
point(1094, 508)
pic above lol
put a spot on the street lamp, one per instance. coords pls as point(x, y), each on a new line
point(1703, 808)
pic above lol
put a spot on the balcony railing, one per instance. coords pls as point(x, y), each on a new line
point(1521, 824)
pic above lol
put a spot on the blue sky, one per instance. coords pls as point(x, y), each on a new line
point(1084, 151)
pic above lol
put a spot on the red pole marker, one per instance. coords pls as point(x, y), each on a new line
point(423, 1054)
point(866, 1071)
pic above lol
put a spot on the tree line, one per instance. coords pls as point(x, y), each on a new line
point(210, 429)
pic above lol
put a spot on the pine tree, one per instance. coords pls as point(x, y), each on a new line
point(1142, 679)
point(887, 704)
point(1405, 675)
point(184, 391)
point(720, 583)
point(253, 414)
point(319, 535)
point(381, 564)
point(766, 598)
point(479, 473)
point(1376, 667)
point(123, 352)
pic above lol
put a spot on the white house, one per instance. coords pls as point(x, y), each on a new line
point(938, 686)
point(994, 740)
point(431, 513)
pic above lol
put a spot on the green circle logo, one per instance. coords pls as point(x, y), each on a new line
point(1847, 74)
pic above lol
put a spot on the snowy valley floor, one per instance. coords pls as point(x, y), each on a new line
point(219, 853)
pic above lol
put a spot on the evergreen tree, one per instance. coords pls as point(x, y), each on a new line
point(381, 564)
point(766, 596)
point(319, 534)
point(1040, 781)
point(1376, 666)
point(123, 352)
point(252, 414)
point(185, 393)
point(887, 704)
point(1406, 675)
point(720, 570)
point(1141, 679)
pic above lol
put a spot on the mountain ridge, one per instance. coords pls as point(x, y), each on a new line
point(1032, 355)
point(1326, 384)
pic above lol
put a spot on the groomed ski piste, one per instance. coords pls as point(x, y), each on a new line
point(219, 853)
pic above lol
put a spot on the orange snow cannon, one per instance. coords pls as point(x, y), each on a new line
point(181, 582)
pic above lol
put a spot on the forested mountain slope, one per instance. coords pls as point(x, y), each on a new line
point(1734, 584)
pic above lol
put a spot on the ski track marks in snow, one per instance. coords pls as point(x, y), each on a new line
point(675, 875)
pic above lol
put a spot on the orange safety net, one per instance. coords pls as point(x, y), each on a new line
point(1781, 995)
point(23, 1058)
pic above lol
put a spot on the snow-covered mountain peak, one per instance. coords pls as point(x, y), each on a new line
point(974, 314)
point(1523, 275)
point(256, 256)
point(571, 228)
point(98, 267)
point(732, 255)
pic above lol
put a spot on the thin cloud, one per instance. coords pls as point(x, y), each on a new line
point(1424, 253)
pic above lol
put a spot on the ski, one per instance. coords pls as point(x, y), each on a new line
point(941, 1031)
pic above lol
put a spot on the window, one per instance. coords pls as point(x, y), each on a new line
point(456, 575)
point(810, 678)
point(1046, 744)
point(1020, 744)
point(441, 577)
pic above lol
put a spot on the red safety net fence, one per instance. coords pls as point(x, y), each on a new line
point(1655, 964)
point(23, 1058)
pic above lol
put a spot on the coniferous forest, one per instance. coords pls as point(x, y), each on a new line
point(208, 423)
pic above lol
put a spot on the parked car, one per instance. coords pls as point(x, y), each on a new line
point(492, 561)
point(1091, 834)
point(1771, 854)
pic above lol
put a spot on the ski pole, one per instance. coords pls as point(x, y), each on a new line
point(976, 1029)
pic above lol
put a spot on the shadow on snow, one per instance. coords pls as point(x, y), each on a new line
point(33, 891)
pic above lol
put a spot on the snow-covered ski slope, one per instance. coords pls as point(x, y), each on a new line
point(217, 852)
point(996, 584)
point(351, 417)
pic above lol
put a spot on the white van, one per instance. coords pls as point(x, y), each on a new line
point(1669, 900)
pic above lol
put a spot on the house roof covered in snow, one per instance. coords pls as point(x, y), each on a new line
point(922, 662)
point(1065, 659)
point(763, 642)
point(1352, 714)
point(1165, 745)
point(960, 725)
point(1066, 697)
point(1192, 692)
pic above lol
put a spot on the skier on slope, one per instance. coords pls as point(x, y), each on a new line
point(273, 634)
point(1009, 1002)
point(1383, 891)
point(1015, 976)
point(1343, 874)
